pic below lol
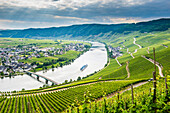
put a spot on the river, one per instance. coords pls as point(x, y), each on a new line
point(96, 58)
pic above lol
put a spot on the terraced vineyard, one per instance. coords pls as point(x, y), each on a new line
point(119, 73)
point(58, 101)
point(142, 101)
point(140, 68)
point(113, 70)
point(163, 57)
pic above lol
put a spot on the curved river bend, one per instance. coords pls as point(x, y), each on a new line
point(96, 58)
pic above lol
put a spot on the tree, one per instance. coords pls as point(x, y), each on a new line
point(79, 78)
point(66, 81)
point(61, 64)
point(2, 74)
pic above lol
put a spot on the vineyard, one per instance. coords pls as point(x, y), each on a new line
point(163, 57)
point(60, 100)
point(108, 90)
point(140, 100)
point(140, 68)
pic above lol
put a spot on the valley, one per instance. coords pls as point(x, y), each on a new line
point(124, 82)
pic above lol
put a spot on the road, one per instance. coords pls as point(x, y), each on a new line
point(134, 42)
point(124, 90)
point(157, 64)
point(118, 61)
point(127, 69)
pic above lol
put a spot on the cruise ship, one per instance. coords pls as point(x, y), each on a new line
point(83, 68)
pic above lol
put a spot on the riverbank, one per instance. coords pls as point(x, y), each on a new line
point(66, 73)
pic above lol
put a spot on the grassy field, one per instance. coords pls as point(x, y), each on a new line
point(10, 42)
point(68, 55)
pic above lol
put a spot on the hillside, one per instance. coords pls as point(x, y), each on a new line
point(135, 66)
point(87, 30)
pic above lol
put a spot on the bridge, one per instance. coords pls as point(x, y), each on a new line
point(38, 76)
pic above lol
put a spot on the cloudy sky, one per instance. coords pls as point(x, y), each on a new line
point(19, 14)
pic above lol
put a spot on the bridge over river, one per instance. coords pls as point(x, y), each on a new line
point(38, 76)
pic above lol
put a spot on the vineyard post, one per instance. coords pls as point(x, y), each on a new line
point(149, 91)
point(125, 103)
point(77, 109)
point(166, 86)
point(132, 92)
point(154, 60)
point(96, 105)
point(28, 107)
point(154, 81)
point(118, 95)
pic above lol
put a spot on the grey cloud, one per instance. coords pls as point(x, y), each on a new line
point(95, 12)
point(155, 9)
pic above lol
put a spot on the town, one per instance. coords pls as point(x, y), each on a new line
point(11, 57)
point(114, 52)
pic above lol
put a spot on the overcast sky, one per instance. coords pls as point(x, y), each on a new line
point(19, 14)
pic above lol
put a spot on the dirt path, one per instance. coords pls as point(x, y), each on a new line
point(124, 90)
point(134, 42)
point(128, 50)
point(130, 53)
point(164, 45)
point(136, 50)
point(127, 69)
point(118, 61)
point(157, 64)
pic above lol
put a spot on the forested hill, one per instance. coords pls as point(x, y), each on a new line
point(88, 29)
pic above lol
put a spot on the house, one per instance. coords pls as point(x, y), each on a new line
point(2, 68)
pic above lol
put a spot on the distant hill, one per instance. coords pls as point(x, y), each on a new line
point(88, 29)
